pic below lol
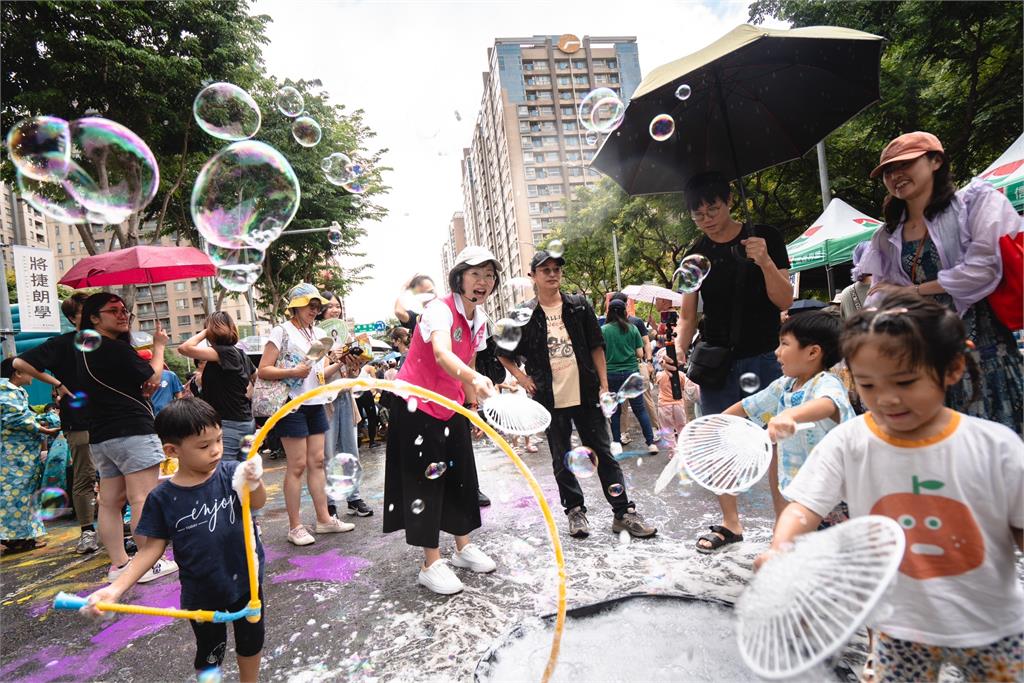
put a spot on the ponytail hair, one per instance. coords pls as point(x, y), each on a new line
point(616, 313)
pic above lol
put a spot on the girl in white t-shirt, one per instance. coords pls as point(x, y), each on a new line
point(954, 483)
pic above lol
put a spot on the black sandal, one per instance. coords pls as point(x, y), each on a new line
point(715, 541)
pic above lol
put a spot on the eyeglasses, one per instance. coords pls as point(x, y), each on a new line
point(118, 312)
point(710, 212)
point(315, 305)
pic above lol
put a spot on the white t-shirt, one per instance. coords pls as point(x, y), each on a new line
point(437, 316)
point(298, 345)
point(956, 495)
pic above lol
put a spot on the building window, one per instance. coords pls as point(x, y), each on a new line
point(195, 285)
point(184, 320)
point(71, 247)
point(534, 208)
point(553, 156)
point(530, 173)
point(159, 290)
point(563, 80)
point(182, 304)
point(180, 286)
point(197, 303)
point(568, 111)
point(531, 190)
point(60, 248)
point(579, 64)
point(564, 95)
point(562, 65)
point(523, 111)
point(547, 111)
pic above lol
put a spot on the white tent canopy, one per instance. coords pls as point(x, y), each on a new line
point(831, 238)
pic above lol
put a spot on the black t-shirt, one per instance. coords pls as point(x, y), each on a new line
point(112, 378)
point(640, 325)
point(759, 322)
point(225, 383)
point(57, 355)
point(204, 522)
point(410, 324)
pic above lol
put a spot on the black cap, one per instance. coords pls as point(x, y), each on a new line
point(806, 306)
point(541, 256)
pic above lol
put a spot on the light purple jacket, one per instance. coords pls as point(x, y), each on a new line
point(966, 236)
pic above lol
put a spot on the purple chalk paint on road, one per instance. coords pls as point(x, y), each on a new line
point(329, 566)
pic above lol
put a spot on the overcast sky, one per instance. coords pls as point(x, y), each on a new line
point(412, 65)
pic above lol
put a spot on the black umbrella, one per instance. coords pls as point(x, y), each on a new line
point(758, 97)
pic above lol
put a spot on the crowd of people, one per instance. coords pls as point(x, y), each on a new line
point(903, 397)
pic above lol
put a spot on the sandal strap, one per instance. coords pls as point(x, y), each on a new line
point(728, 534)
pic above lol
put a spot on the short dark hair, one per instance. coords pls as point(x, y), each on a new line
point(816, 327)
point(72, 306)
point(7, 368)
point(706, 188)
point(51, 406)
point(91, 307)
point(183, 418)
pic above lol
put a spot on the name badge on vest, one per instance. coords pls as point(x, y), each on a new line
point(458, 334)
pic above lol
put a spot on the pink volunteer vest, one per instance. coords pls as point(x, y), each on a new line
point(421, 369)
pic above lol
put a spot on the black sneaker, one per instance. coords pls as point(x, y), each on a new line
point(482, 499)
point(130, 547)
point(359, 508)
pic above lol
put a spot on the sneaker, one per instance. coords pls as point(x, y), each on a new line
point(87, 543)
point(299, 536)
point(359, 508)
point(161, 568)
point(482, 499)
point(579, 526)
point(652, 448)
point(634, 524)
point(115, 572)
point(335, 526)
point(616, 448)
point(439, 578)
point(474, 559)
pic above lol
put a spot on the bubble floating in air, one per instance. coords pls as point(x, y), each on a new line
point(581, 461)
point(226, 112)
point(40, 147)
point(662, 127)
point(289, 101)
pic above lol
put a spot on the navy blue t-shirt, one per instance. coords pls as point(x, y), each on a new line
point(204, 523)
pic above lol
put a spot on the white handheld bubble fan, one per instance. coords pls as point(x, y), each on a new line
point(724, 453)
point(804, 605)
point(516, 414)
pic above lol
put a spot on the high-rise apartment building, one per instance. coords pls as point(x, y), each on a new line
point(529, 152)
point(455, 243)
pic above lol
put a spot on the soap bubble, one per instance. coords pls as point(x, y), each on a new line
point(435, 470)
point(222, 256)
point(306, 131)
point(521, 288)
point(624, 537)
point(88, 340)
point(417, 506)
point(339, 169)
point(699, 261)
point(53, 199)
point(334, 234)
point(141, 340)
point(556, 248)
point(226, 112)
point(163, 384)
point(634, 386)
point(662, 126)
point(211, 675)
point(40, 147)
point(581, 461)
point(416, 303)
point(615, 490)
point(356, 186)
point(50, 502)
point(78, 399)
point(601, 111)
point(687, 278)
point(683, 92)
point(609, 403)
point(343, 474)
point(119, 174)
point(245, 195)
point(507, 334)
point(240, 277)
point(412, 405)
point(749, 382)
point(289, 101)
point(520, 315)
point(419, 440)
point(246, 442)
point(592, 138)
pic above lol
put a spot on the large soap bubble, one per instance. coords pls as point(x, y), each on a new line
point(306, 131)
point(245, 195)
point(226, 112)
point(119, 172)
point(40, 147)
point(289, 101)
point(601, 111)
point(239, 277)
point(53, 199)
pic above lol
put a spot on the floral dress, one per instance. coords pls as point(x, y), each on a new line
point(21, 469)
point(1001, 387)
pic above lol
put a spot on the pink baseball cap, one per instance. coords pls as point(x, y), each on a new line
point(907, 146)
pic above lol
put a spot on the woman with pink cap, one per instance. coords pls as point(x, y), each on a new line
point(943, 243)
point(430, 480)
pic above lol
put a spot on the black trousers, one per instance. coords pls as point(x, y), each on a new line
point(593, 430)
point(368, 405)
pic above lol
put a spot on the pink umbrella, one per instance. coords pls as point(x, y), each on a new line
point(139, 265)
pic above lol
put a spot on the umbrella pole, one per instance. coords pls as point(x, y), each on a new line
point(732, 146)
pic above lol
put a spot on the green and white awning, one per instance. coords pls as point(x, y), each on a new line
point(830, 239)
point(1007, 174)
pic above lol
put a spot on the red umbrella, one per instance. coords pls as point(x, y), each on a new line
point(139, 265)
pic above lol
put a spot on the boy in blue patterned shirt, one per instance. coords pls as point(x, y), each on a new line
point(806, 392)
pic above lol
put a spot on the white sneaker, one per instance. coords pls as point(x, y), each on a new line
point(115, 572)
point(652, 448)
point(474, 559)
point(161, 568)
point(616, 448)
point(299, 536)
point(335, 526)
point(440, 579)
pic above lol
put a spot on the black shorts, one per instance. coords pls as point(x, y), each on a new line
point(212, 638)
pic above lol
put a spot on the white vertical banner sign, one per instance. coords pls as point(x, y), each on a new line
point(38, 306)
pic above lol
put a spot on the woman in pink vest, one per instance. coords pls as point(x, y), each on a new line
point(430, 482)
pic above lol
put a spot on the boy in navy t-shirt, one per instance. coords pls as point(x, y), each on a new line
point(199, 511)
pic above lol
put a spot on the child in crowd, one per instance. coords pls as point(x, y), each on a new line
point(199, 511)
point(673, 414)
point(806, 392)
point(954, 483)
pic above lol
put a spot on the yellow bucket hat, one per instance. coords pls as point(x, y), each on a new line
point(301, 294)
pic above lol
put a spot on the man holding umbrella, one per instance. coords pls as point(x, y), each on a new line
point(746, 289)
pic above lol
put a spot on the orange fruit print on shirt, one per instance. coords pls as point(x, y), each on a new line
point(942, 537)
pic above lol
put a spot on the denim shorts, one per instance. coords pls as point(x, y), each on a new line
point(308, 419)
point(764, 365)
point(126, 455)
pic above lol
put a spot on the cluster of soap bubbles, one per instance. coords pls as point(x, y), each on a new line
point(635, 385)
point(339, 169)
point(581, 461)
point(90, 170)
point(50, 503)
point(691, 273)
point(601, 111)
point(343, 475)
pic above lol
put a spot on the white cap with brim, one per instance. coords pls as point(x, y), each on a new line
point(475, 255)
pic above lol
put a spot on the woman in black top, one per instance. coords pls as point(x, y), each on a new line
point(226, 379)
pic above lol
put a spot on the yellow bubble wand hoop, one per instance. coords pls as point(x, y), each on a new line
point(253, 609)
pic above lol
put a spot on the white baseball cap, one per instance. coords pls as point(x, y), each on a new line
point(475, 255)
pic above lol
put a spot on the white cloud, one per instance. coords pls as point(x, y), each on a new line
point(412, 65)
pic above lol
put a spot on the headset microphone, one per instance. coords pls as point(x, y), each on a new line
point(474, 299)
